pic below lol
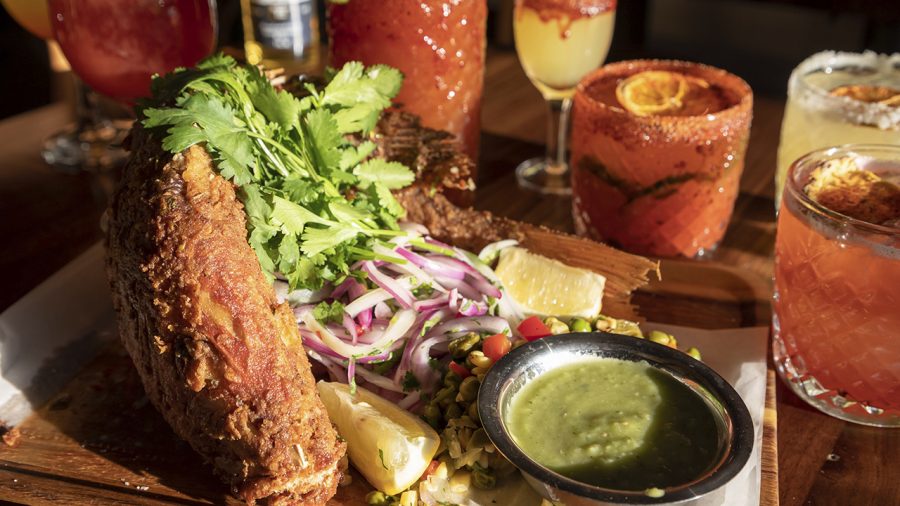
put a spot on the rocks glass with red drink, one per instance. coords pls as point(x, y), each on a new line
point(836, 322)
point(657, 153)
point(116, 46)
point(437, 44)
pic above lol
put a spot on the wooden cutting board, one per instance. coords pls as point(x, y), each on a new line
point(99, 441)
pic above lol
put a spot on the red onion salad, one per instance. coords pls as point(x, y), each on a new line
point(389, 323)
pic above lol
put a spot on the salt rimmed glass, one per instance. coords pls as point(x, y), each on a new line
point(661, 185)
point(815, 119)
point(836, 310)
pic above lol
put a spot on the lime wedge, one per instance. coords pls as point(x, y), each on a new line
point(388, 445)
point(542, 286)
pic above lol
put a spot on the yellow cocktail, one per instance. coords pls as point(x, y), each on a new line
point(557, 51)
point(558, 43)
point(839, 98)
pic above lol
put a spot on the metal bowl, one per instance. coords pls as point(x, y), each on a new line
point(513, 371)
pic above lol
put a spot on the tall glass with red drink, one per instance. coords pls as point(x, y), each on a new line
point(116, 46)
point(437, 44)
point(836, 315)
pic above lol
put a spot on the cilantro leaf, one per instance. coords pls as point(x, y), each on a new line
point(329, 313)
point(315, 202)
point(392, 175)
point(410, 382)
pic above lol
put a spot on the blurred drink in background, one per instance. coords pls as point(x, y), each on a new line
point(839, 98)
point(115, 47)
point(559, 42)
point(657, 154)
point(282, 34)
point(439, 46)
point(836, 321)
point(31, 14)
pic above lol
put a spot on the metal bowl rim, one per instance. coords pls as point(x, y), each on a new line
point(741, 443)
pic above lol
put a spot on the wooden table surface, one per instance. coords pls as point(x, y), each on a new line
point(47, 218)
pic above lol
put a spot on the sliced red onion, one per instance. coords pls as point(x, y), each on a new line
point(366, 301)
point(475, 277)
point(489, 324)
point(410, 400)
point(396, 289)
point(400, 325)
point(351, 374)
point(463, 288)
point(356, 289)
point(310, 341)
point(472, 308)
point(343, 287)
point(365, 318)
point(378, 380)
point(419, 359)
point(382, 310)
point(410, 267)
point(370, 337)
point(431, 266)
point(431, 304)
point(424, 324)
point(350, 327)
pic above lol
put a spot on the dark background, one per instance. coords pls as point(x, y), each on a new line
point(760, 40)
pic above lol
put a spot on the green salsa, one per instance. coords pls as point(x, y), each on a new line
point(615, 424)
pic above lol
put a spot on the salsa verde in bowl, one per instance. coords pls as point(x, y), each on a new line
point(597, 418)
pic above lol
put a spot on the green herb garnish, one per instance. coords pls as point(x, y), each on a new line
point(315, 201)
point(329, 313)
point(410, 382)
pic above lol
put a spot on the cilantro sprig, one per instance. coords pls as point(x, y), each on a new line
point(315, 201)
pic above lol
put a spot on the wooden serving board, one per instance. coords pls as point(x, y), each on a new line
point(99, 440)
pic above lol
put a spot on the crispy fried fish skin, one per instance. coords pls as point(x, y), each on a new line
point(218, 356)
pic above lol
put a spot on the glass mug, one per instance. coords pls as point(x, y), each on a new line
point(663, 184)
point(836, 311)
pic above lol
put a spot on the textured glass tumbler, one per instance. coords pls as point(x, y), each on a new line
point(836, 321)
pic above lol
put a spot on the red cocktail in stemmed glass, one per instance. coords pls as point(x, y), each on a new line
point(115, 47)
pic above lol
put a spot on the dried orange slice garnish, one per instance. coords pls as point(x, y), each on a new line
point(869, 93)
point(652, 92)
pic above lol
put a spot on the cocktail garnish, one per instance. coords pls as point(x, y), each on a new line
point(869, 93)
point(652, 92)
point(844, 186)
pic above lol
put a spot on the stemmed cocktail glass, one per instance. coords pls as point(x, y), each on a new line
point(116, 47)
point(558, 43)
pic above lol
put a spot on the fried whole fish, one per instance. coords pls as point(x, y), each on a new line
point(219, 357)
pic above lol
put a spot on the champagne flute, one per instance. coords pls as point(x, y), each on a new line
point(558, 43)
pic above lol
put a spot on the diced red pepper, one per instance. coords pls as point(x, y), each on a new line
point(432, 467)
point(533, 328)
point(460, 370)
point(496, 346)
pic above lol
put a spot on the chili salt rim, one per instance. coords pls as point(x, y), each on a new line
point(713, 75)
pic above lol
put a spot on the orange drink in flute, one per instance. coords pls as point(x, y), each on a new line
point(836, 322)
point(657, 153)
